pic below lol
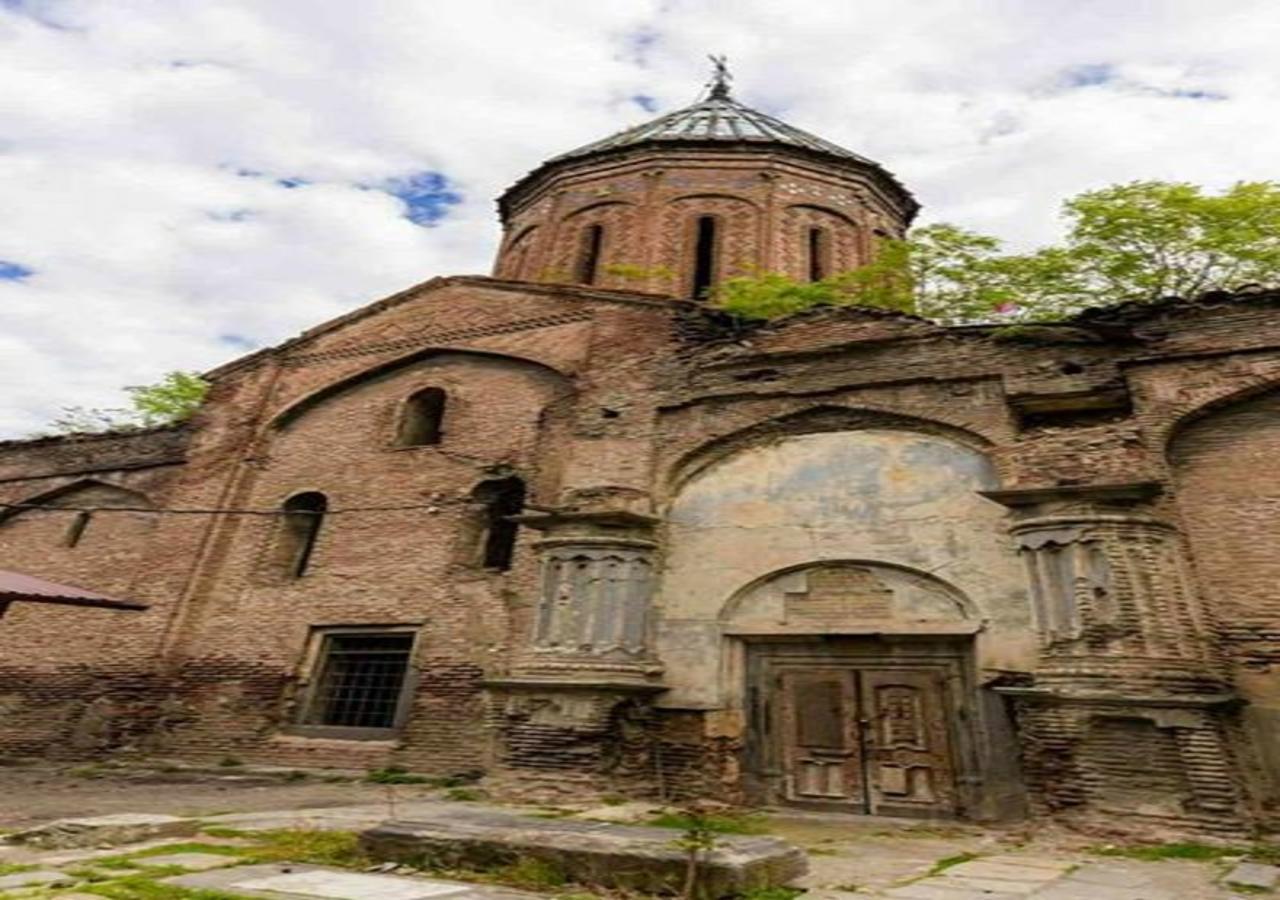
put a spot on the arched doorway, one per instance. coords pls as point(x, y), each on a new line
point(858, 689)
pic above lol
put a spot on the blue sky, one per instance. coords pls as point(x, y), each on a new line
point(184, 181)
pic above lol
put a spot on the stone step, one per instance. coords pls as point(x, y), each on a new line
point(614, 856)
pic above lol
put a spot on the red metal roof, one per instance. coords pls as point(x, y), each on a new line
point(27, 588)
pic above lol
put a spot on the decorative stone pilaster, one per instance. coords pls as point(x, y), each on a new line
point(584, 680)
point(1128, 679)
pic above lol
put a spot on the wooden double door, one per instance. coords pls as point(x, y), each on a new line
point(857, 736)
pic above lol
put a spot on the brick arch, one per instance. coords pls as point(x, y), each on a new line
point(297, 408)
point(740, 249)
point(621, 241)
point(813, 420)
point(1189, 411)
point(515, 255)
point(848, 248)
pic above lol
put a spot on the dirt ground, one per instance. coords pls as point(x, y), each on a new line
point(30, 795)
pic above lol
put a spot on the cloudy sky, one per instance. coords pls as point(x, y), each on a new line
point(183, 181)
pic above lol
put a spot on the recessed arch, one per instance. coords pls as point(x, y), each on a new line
point(294, 410)
point(813, 420)
point(121, 497)
point(597, 207)
point(709, 195)
point(963, 607)
point(825, 210)
point(1192, 414)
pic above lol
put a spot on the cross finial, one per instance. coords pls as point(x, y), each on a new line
point(720, 77)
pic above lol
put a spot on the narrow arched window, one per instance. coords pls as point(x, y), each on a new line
point(819, 254)
point(422, 419)
point(303, 516)
point(589, 254)
point(75, 531)
point(502, 498)
point(704, 256)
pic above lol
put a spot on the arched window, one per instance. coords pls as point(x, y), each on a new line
point(704, 256)
point(420, 423)
point(502, 497)
point(819, 254)
point(303, 516)
point(589, 254)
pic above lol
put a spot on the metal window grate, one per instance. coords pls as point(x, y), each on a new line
point(361, 679)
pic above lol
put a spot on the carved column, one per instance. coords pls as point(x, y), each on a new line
point(588, 670)
point(1129, 672)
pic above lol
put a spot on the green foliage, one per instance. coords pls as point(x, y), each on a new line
point(322, 848)
point(1136, 242)
point(717, 824)
point(175, 398)
point(15, 868)
point(141, 887)
point(464, 795)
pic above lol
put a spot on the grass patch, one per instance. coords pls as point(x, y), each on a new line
point(948, 861)
point(15, 868)
point(1247, 888)
point(189, 847)
point(750, 823)
point(532, 874)
point(1182, 850)
point(222, 831)
point(322, 848)
point(464, 795)
point(395, 775)
point(141, 887)
point(777, 893)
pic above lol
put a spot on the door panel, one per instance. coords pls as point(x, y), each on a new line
point(908, 755)
point(857, 738)
point(821, 759)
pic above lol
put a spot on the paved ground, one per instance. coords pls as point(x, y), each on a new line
point(850, 858)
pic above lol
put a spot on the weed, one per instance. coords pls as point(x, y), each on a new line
point(821, 851)
point(1247, 888)
point(781, 893)
point(221, 831)
point(464, 795)
point(612, 800)
point(394, 775)
point(533, 874)
point(188, 847)
point(14, 868)
point(947, 862)
point(93, 771)
point(230, 762)
point(750, 823)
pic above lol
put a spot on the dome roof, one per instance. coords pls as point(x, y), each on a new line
point(717, 118)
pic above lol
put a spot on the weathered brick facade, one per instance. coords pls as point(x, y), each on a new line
point(1058, 541)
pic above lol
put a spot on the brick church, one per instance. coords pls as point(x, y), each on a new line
point(570, 527)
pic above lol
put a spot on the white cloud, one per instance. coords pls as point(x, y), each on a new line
point(124, 126)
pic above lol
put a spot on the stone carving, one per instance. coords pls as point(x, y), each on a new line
point(595, 599)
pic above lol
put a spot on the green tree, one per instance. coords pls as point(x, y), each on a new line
point(173, 399)
point(1130, 242)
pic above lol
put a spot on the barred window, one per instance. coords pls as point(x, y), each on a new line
point(360, 680)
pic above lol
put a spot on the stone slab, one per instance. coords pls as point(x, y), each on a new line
point(1111, 875)
point(1070, 889)
point(988, 871)
point(1255, 875)
point(352, 886)
point(621, 857)
point(275, 881)
point(1020, 888)
point(35, 876)
point(122, 828)
point(928, 890)
point(195, 861)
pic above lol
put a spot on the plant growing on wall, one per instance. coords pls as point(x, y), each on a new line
point(1136, 242)
point(172, 399)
